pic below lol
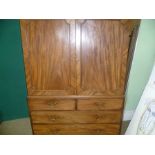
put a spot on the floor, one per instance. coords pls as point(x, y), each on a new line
point(23, 127)
point(16, 127)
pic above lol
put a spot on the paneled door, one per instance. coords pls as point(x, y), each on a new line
point(49, 55)
point(102, 52)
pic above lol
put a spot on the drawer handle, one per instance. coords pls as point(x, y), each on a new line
point(52, 118)
point(53, 131)
point(98, 131)
point(97, 117)
point(52, 103)
point(99, 103)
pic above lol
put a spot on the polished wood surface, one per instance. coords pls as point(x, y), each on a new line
point(102, 51)
point(76, 73)
point(51, 104)
point(49, 52)
point(99, 104)
point(74, 129)
point(76, 97)
point(63, 117)
point(76, 57)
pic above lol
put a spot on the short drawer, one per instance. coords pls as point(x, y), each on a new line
point(62, 117)
point(51, 104)
point(99, 104)
point(76, 129)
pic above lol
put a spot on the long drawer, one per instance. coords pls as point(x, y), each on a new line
point(74, 129)
point(51, 104)
point(99, 104)
point(62, 117)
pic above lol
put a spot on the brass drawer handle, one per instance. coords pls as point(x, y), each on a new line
point(99, 103)
point(52, 103)
point(53, 131)
point(52, 118)
point(97, 117)
point(98, 131)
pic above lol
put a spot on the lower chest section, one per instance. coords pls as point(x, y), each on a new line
point(75, 116)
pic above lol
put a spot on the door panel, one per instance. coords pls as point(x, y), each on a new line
point(102, 50)
point(49, 50)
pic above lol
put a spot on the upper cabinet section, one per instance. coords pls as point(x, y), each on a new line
point(76, 57)
point(48, 53)
point(102, 50)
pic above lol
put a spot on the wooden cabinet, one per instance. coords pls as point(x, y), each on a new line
point(76, 74)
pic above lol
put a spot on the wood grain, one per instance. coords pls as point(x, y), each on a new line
point(74, 129)
point(102, 50)
point(24, 25)
point(99, 104)
point(129, 24)
point(51, 104)
point(76, 97)
point(49, 49)
point(62, 117)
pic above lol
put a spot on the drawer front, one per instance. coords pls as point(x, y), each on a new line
point(51, 104)
point(99, 104)
point(76, 129)
point(61, 117)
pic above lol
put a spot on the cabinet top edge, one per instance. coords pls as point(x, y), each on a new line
point(77, 97)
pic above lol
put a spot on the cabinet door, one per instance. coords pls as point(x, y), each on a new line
point(49, 52)
point(102, 52)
